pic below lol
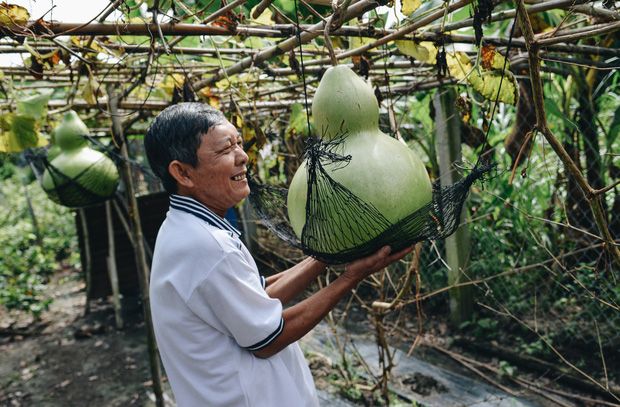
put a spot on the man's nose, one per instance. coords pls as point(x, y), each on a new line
point(242, 157)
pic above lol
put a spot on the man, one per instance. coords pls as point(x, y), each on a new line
point(223, 334)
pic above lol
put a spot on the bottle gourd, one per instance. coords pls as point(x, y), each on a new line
point(382, 172)
point(87, 176)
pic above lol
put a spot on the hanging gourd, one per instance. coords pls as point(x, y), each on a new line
point(78, 176)
point(387, 179)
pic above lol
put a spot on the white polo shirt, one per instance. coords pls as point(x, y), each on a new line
point(210, 310)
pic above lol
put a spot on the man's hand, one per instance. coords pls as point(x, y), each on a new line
point(362, 268)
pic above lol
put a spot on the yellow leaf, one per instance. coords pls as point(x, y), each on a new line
point(409, 6)
point(76, 40)
point(264, 19)
point(424, 51)
point(488, 85)
point(19, 132)
point(169, 82)
point(356, 42)
point(92, 90)
point(458, 64)
point(12, 15)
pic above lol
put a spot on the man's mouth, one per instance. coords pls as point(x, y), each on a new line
point(239, 177)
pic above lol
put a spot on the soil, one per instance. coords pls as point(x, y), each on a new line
point(66, 358)
point(71, 358)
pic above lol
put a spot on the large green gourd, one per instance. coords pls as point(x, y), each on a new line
point(92, 176)
point(383, 171)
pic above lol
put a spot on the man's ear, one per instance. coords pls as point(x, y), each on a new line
point(180, 172)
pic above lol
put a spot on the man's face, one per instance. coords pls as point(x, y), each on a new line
point(220, 177)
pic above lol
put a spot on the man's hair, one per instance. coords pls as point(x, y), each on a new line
point(176, 134)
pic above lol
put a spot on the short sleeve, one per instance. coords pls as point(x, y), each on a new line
point(232, 298)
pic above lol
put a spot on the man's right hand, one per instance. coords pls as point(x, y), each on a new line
point(364, 267)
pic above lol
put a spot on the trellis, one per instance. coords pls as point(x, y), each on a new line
point(129, 72)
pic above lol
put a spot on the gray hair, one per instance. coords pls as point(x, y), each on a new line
point(176, 134)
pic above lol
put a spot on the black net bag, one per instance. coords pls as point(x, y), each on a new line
point(436, 220)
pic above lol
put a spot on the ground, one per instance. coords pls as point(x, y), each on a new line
point(69, 358)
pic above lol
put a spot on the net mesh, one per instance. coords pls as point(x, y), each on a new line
point(70, 191)
point(330, 238)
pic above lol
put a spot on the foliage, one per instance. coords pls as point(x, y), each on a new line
point(30, 255)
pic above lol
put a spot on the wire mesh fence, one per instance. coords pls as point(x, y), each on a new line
point(537, 257)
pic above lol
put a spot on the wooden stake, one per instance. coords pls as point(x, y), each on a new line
point(112, 269)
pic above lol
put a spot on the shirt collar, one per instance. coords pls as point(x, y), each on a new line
point(192, 206)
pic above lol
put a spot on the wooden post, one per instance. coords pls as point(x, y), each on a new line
point(112, 270)
point(448, 125)
point(140, 251)
point(87, 260)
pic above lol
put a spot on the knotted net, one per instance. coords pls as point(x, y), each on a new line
point(319, 239)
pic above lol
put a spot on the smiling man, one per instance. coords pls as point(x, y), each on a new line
point(224, 335)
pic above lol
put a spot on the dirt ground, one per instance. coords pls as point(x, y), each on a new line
point(70, 359)
point(67, 358)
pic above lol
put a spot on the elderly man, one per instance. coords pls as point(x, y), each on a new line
point(224, 335)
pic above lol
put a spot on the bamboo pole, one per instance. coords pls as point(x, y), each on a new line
point(285, 46)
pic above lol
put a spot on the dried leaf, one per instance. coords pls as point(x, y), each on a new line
point(294, 63)
point(36, 69)
point(491, 59)
point(92, 90)
point(228, 20)
point(362, 65)
point(12, 15)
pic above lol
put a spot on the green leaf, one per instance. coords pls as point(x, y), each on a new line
point(19, 133)
point(614, 128)
point(298, 122)
point(552, 110)
point(35, 106)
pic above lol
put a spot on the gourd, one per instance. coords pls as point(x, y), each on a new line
point(79, 175)
point(382, 172)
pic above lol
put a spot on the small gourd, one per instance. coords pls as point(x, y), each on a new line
point(80, 175)
point(382, 172)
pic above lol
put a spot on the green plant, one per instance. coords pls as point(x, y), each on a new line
point(481, 328)
point(506, 369)
point(32, 246)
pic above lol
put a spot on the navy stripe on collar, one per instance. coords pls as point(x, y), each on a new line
point(192, 206)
